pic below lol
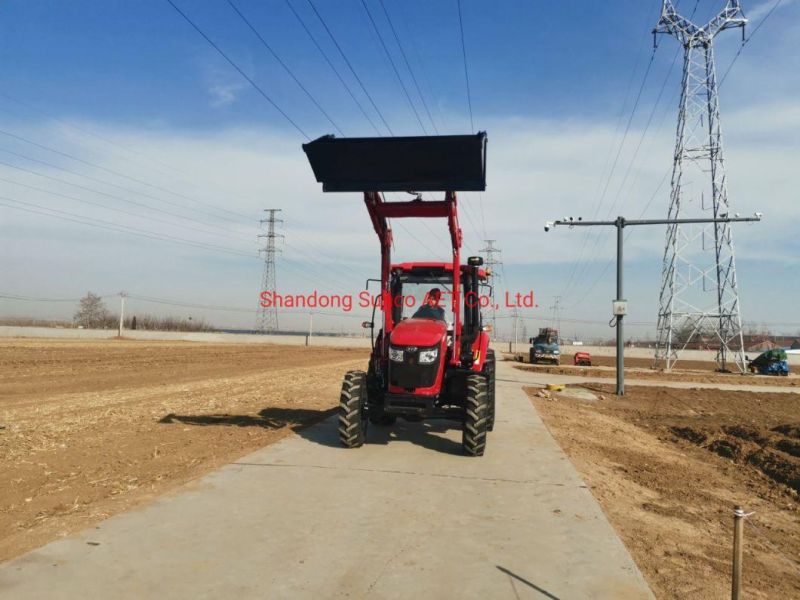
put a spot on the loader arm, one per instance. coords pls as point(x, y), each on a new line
point(372, 166)
point(380, 211)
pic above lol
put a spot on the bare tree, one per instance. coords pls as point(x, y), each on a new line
point(92, 311)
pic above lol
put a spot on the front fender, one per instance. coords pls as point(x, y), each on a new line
point(479, 351)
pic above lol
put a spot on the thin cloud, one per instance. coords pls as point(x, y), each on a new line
point(225, 94)
point(759, 11)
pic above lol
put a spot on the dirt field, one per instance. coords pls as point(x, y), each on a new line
point(669, 465)
point(640, 368)
point(91, 428)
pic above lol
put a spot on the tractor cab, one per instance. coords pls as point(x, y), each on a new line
point(431, 356)
point(422, 341)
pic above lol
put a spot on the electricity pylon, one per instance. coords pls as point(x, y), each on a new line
point(491, 262)
point(267, 319)
point(699, 299)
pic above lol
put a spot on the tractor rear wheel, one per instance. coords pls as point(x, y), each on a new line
point(489, 370)
point(353, 409)
point(476, 407)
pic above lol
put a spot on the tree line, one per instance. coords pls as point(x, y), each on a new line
point(92, 313)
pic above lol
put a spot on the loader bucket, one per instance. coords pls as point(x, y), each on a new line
point(447, 163)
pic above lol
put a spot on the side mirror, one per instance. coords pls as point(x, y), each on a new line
point(367, 324)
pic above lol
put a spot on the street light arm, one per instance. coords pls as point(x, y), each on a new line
point(625, 222)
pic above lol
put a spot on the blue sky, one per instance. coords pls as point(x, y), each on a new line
point(553, 83)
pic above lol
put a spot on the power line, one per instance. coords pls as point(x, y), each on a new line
point(240, 71)
point(119, 146)
point(102, 224)
point(284, 65)
point(112, 208)
point(9, 296)
point(408, 65)
point(332, 66)
point(349, 66)
point(466, 70)
point(612, 171)
point(88, 189)
point(117, 173)
point(635, 155)
point(745, 41)
point(394, 66)
point(420, 62)
point(578, 265)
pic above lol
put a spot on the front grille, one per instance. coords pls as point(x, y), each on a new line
point(409, 374)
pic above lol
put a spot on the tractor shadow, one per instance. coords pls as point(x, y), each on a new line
point(427, 434)
point(269, 418)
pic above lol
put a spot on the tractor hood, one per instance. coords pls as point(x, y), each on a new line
point(418, 332)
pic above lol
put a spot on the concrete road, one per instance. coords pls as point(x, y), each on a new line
point(406, 516)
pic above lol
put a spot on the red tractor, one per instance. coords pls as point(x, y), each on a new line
point(430, 357)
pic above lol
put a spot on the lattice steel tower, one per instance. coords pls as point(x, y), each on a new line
point(267, 319)
point(492, 260)
point(699, 300)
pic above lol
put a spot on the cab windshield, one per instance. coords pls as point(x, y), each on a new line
point(420, 303)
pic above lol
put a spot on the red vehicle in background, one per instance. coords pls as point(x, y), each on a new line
point(582, 359)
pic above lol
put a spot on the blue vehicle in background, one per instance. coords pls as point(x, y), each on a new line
point(771, 362)
point(545, 348)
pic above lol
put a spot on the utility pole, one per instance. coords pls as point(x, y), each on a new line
point(122, 296)
point(620, 305)
point(516, 322)
point(492, 260)
point(267, 319)
point(699, 297)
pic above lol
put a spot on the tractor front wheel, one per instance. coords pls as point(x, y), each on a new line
point(476, 409)
point(353, 409)
point(489, 370)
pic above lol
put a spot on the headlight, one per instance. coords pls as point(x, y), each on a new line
point(428, 356)
point(396, 354)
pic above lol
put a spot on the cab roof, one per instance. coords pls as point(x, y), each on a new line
point(433, 268)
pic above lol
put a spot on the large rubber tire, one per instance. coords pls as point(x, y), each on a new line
point(377, 416)
point(353, 410)
point(476, 406)
point(489, 368)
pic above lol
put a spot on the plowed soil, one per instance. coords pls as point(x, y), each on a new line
point(668, 466)
point(640, 368)
point(92, 428)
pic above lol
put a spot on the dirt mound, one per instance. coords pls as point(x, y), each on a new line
point(689, 433)
point(788, 430)
point(789, 446)
point(777, 467)
point(668, 466)
point(748, 445)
